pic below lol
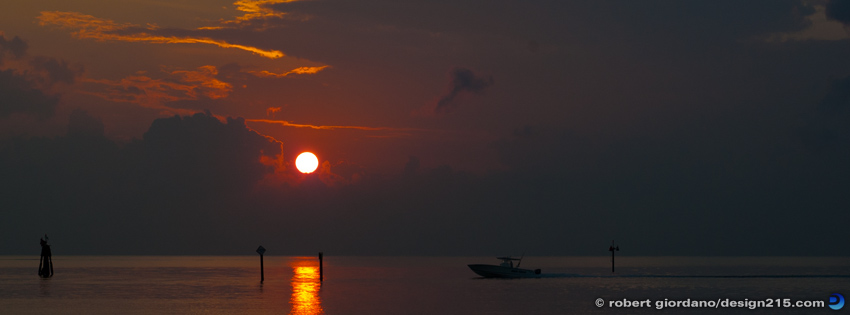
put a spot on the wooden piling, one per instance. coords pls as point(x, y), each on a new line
point(261, 250)
point(321, 268)
point(45, 262)
point(613, 248)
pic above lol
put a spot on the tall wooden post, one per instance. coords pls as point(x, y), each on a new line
point(45, 263)
point(613, 248)
point(261, 250)
point(321, 268)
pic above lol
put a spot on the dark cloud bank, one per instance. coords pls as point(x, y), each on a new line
point(20, 96)
point(715, 171)
point(196, 185)
point(27, 92)
point(839, 10)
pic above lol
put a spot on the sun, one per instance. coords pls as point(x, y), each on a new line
point(306, 162)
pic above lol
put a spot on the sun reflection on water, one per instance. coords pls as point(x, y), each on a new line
point(305, 288)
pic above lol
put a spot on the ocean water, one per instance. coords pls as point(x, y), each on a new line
point(411, 285)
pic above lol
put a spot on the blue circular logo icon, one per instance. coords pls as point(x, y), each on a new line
point(836, 301)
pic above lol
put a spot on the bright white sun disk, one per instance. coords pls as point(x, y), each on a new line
point(306, 162)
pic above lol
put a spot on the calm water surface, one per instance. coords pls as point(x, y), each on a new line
point(406, 285)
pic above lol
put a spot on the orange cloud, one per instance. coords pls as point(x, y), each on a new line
point(254, 10)
point(205, 78)
point(153, 93)
point(301, 70)
point(271, 111)
point(320, 127)
point(289, 124)
point(87, 26)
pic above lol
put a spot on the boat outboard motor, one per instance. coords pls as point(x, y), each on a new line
point(537, 271)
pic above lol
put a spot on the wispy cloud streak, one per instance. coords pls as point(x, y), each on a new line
point(321, 127)
point(87, 26)
point(254, 10)
point(301, 70)
point(271, 111)
point(153, 93)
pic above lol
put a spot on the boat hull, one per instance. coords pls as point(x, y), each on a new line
point(493, 271)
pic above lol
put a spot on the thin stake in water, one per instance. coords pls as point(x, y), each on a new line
point(612, 249)
point(261, 250)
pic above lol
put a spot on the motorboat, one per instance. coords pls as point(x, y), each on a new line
point(504, 270)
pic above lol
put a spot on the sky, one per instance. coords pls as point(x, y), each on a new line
point(442, 127)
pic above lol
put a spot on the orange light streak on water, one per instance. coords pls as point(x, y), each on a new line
point(305, 288)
